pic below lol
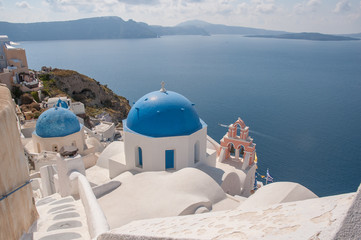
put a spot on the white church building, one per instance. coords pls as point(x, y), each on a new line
point(58, 127)
point(164, 132)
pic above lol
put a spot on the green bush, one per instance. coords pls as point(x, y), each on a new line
point(37, 114)
point(44, 77)
point(35, 96)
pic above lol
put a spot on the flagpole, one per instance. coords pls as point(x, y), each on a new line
point(267, 177)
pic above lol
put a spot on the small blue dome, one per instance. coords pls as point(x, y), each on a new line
point(163, 114)
point(61, 103)
point(57, 122)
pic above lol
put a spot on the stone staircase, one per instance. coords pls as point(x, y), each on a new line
point(60, 218)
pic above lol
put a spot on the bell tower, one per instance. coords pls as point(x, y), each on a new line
point(237, 146)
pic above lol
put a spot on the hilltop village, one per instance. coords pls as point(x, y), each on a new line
point(78, 163)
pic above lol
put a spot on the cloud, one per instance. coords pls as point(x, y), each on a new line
point(243, 8)
point(188, 9)
point(193, 1)
point(182, 9)
point(81, 5)
point(264, 6)
point(146, 2)
point(22, 4)
point(342, 6)
point(89, 6)
point(313, 3)
point(307, 6)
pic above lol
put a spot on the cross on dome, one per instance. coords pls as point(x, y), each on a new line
point(163, 114)
point(163, 89)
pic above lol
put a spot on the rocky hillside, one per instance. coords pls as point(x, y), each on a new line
point(96, 97)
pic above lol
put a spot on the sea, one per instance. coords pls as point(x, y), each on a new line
point(301, 99)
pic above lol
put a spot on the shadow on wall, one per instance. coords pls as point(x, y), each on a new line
point(192, 209)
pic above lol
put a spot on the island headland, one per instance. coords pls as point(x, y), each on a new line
point(96, 97)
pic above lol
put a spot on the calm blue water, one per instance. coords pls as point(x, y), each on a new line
point(302, 99)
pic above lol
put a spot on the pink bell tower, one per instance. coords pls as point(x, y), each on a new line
point(237, 140)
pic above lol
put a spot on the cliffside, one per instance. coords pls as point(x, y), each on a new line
point(17, 210)
point(96, 97)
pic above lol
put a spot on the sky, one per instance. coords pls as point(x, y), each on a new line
point(325, 16)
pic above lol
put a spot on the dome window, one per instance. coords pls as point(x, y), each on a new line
point(139, 160)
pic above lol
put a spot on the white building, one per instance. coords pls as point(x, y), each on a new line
point(77, 108)
point(58, 127)
point(51, 102)
point(164, 132)
point(105, 131)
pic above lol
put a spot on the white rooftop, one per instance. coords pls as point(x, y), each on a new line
point(317, 218)
point(4, 38)
point(103, 126)
point(160, 194)
point(278, 192)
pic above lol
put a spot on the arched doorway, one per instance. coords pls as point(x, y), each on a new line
point(169, 159)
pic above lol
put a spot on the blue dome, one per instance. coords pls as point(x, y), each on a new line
point(163, 114)
point(61, 103)
point(57, 122)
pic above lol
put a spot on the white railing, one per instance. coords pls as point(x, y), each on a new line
point(97, 222)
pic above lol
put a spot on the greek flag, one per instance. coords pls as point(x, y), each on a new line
point(269, 178)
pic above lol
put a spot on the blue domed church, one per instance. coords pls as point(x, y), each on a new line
point(58, 127)
point(164, 132)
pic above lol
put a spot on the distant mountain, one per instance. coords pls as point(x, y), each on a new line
point(224, 29)
point(179, 30)
point(308, 36)
point(89, 28)
point(116, 28)
point(353, 35)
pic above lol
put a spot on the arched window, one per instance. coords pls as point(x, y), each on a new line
point(239, 130)
point(73, 144)
point(231, 149)
point(241, 152)
point(196, 152)
point(39, 149)
point(139, 158)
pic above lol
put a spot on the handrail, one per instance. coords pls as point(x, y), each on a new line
point(97, 222)
point(16, 189)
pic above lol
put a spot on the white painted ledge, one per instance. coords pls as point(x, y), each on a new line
point(97, 223)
